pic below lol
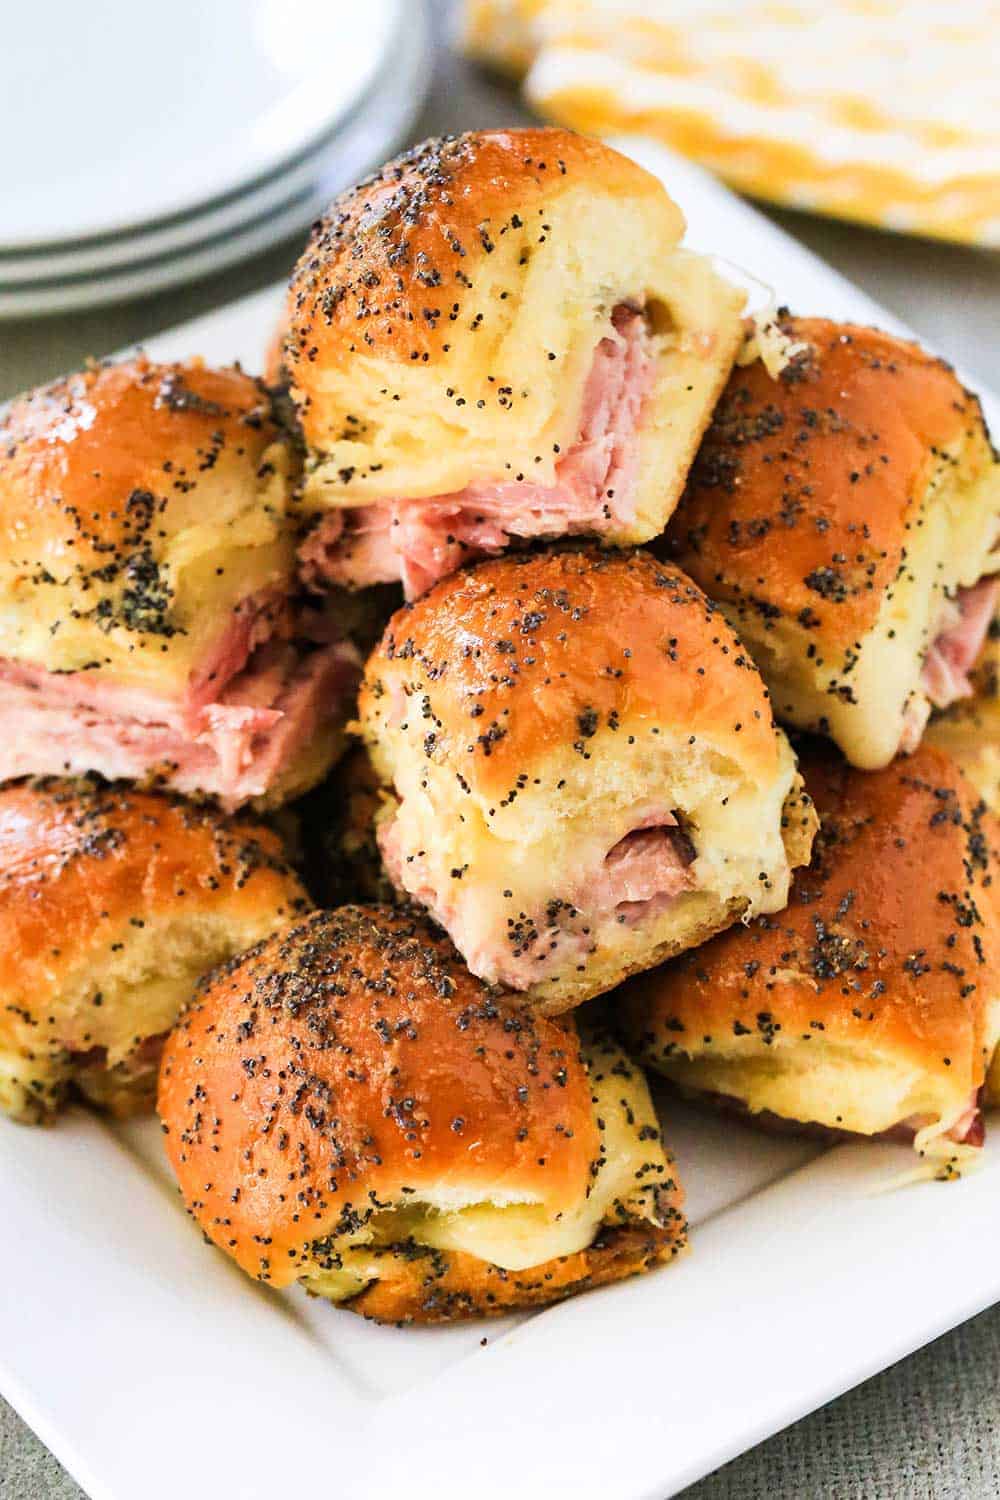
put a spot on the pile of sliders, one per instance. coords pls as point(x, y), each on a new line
point(544, 674)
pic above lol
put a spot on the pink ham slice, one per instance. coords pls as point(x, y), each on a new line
point(420, 541)
point(234, 746)
point(262, 617)
point(953, 653)
point(646, 870)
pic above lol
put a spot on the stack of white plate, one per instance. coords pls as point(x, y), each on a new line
point(145, 145)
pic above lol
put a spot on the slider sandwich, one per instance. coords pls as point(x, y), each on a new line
point(581, 774)
point(495, 338)
point(346, 1108)
point(871, 1005)
point(113, 903)
point(846, 515)
point(147, 567)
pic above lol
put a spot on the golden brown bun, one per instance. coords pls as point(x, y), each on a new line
point(445, 1286)
point(112, 904)
point(139, 503)
point(443, 320)
point(416, 1111)
point(531, 713)
point(832, 509)
point(874, 999)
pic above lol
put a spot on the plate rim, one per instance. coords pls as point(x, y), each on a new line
point(267, 163)
point(430, 1449)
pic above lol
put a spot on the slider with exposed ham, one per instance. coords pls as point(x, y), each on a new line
point(581, 773)
point(147, 564)
point(497, 338)
point(846, 515)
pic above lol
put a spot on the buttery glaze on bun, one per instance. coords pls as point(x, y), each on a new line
point(112, 904)
point(147, 556)
point(845, 514)
point(498, 337)
point(346, 1107)
point(872, 1004)
point(584, 775)
point(969, 730)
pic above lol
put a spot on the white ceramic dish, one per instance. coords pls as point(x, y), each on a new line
point(134, 265)
point(123, 113)
point(95, 258)
point(153, 1368)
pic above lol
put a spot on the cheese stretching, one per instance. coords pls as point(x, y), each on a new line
point(871, 1005)
point(147, 563)
point(581, 770)
point(453, 1154)
point(846, 516)
point(497, 338)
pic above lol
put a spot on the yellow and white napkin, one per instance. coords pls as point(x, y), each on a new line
point(886, 111)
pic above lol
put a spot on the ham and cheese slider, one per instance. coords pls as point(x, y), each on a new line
point(347, 1108)
point(146, 562)
point(583, 775)
point(498, 337)
point(872, 1004)
point(846, 513)
point(112, 904)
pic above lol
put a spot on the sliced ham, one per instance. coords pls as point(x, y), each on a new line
point(420, 541)
point(961, 633)
point(271, 696)
point(648, 868)
point(261, 618)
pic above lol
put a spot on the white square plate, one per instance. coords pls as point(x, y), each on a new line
point(154, 1369)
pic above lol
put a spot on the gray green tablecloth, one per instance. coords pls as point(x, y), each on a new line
point(928, 1429)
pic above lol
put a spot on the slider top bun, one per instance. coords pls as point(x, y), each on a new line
point(806, 486)
point(139, 503)
point(506, 672)
point(838, 500)
point(112, 903)
point(447, 213)
point(351, 1062)
point(443, 320)
point(886, 956)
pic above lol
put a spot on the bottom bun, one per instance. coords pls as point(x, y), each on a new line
point(417, 1284)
